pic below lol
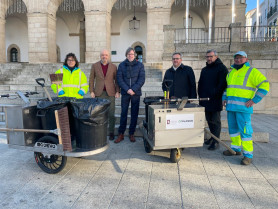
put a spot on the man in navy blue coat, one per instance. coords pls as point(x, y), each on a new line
point(130, 78)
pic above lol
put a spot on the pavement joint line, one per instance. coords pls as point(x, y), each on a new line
point(109, 206)
point(240, 182)
point(214, 195)
point(81, 193)
point(26, 182)
point(62, 177)
point(147, 199)
point(178, 167)
point(266, 178)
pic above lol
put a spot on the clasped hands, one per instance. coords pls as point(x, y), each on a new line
point(130, 92)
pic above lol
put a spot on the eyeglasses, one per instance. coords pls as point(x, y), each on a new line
point(130, 54)
point(207, 57)
point(175, 58)
point(239, 58)
point(70, 60)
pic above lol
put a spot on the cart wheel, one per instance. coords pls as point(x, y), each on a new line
point(50, 164)
point(147, 146)
point(175, 155)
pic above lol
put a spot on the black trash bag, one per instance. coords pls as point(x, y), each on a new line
point(90, 122)
point(45, 103)
point(46, 111)
point(150, 101)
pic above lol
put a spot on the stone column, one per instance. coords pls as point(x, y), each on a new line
point(42, 38)
point(52, 46)
point(186, 21)
point(2, 41)
point(210, 20)
point(82, 41)
point(169, 39)
point(156, 18)
point(98, 32)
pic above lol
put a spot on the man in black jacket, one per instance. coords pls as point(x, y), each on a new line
point(182, 77)
point(212, 84)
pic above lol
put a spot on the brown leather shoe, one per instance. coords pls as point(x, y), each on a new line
point(119, 139)
point(111, 136)
point(132, 138)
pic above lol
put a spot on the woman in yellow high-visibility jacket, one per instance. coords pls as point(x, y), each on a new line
point(74, 80)
point(246, 86)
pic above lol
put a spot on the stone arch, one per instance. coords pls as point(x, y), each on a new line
point(13, 46)
point(11, 3)
point(138, 43)
point(53, 6)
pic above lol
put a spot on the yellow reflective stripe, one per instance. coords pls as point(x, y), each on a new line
point(246, 139)
point(247, 76)
point(85, 84)
point(260, 94)
point(71, 85)
point(235, 135)
point(242, 87)
point(261, 83)
point(235, 102)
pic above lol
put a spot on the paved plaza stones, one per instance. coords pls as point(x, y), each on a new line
point(126, 177)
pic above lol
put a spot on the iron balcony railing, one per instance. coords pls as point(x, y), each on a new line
point(241, 34)
point(271, 12)
point(258, 33)
point(201, 35)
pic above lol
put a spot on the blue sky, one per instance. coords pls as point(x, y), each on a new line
point(251, 4)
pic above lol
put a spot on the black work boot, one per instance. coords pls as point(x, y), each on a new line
point(214, 145)
point(228, 153)
point(246, 161)
point(209, 141)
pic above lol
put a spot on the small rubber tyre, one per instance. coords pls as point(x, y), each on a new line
point(147, 146)
point(175, 155)
point(52, 164)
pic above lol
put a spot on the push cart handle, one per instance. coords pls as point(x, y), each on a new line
point(27, 94)
point(5, 95)
point(40, 81)
point(180, 100)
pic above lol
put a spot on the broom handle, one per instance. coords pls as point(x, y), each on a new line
point(58, 126)
point(57, 90)
point(220, 141)
point(48, 95)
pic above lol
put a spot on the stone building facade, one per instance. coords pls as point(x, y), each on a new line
point(45, 30)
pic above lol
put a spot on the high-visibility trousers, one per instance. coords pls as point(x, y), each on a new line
point(240, 130)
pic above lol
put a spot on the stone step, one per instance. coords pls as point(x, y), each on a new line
point(118, 110)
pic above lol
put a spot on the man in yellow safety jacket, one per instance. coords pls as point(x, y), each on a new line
point(246, 86)
point(74, 80)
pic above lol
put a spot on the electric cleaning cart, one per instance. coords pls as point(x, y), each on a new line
point(174, 124)
point(51, 147)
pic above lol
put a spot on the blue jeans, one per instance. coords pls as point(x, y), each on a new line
point(135, 101)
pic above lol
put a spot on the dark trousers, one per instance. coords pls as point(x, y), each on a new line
point(135, 101)
point(214, 122)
